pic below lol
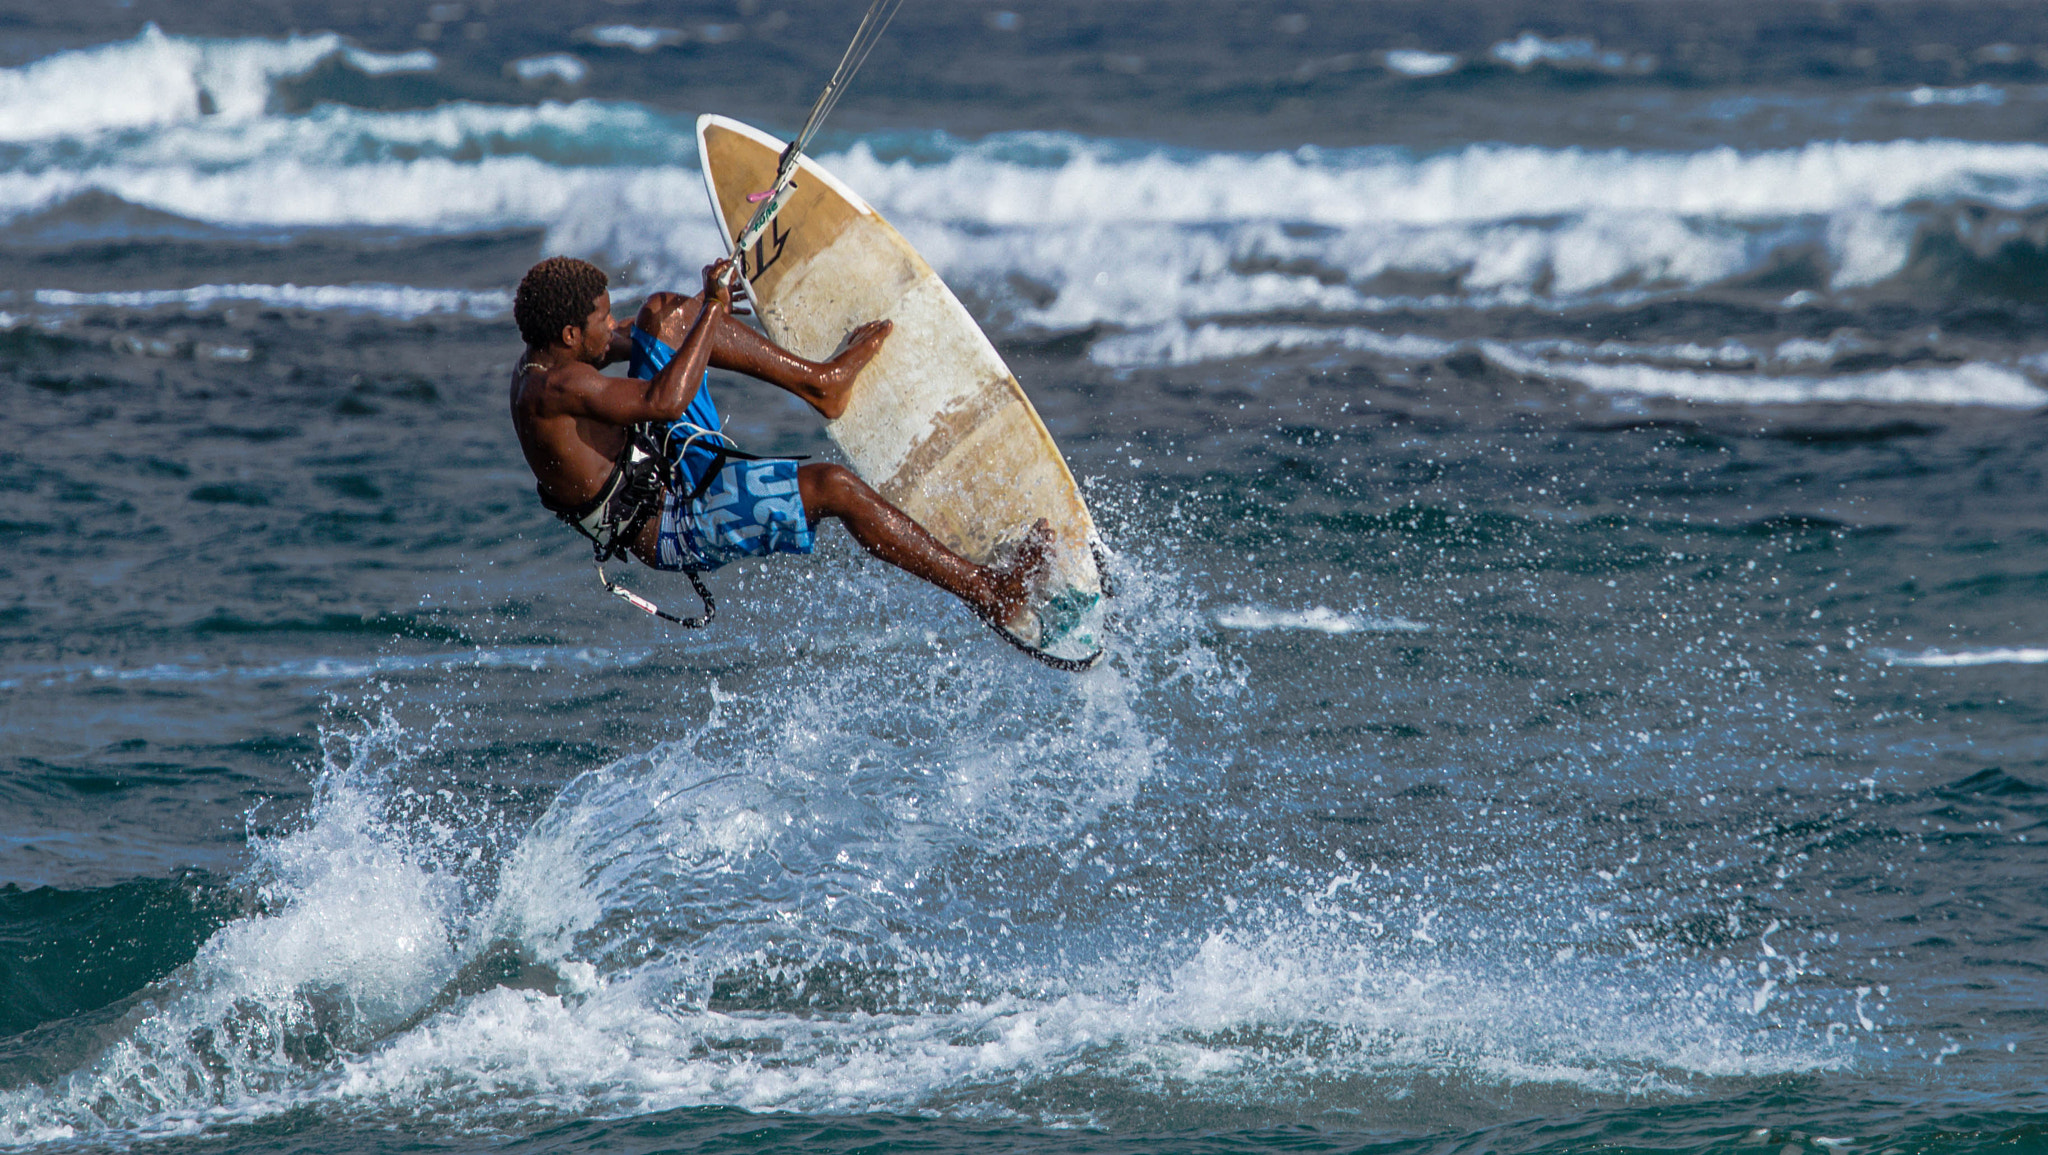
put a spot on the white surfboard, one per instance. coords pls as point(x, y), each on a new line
point(936, 422)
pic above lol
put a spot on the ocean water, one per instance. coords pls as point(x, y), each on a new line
point(1574, 478)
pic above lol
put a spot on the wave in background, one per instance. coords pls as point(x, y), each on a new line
point(1168, 256)
point(1320, 619)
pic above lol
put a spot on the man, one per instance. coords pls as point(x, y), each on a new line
point(599, 446)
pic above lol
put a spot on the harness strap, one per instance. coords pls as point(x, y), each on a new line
point(719, 456)
point(628, 498)
point(721, 453)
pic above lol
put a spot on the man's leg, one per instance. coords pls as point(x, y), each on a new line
point(889, 534)
point(737, 347)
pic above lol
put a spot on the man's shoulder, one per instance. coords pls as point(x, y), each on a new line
point(548, 385)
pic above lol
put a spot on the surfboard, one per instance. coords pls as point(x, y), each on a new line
point(936, 422)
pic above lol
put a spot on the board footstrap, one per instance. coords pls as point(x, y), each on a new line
point(1070, 665)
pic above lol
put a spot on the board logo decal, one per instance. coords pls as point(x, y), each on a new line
point(761, 258)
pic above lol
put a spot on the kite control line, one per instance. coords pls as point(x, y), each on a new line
point(772, 198)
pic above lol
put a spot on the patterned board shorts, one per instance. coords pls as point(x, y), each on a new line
point(752, 509)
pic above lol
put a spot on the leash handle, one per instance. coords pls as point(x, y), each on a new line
point(643, 605)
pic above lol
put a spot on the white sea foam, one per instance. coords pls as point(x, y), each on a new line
point(553, 66)
point(1974, 94)
point(1142, 237)
point(1174, 344)
point(1974, 383)
point(155, 80)
point(1026, 178)
point(391, 63)
point(404, 301)
point(1528, 50)
point(1417, 63)
point(635, 37)
point(1078, 179)
point(1609, 367)
point(1950, 659)
point(1318, 619)
point(1241, 1016)
point(1119, 233)
point(1489, 217)
point(1178, 249)
point(1804, 351)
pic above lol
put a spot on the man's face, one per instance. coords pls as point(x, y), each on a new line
point(596, 332)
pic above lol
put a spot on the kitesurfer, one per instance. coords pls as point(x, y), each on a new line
point(639, 464)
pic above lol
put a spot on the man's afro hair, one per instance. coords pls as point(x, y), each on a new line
point(557, 292)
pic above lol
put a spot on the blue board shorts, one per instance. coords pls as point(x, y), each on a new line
point(752, 509)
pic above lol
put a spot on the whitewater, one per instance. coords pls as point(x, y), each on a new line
point(1186, 252)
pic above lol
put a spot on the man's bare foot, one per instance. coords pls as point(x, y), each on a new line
point(836, 382)
point(1012, 584)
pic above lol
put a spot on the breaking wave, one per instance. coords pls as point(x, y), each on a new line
point(1164, 256)
point(1106, 231)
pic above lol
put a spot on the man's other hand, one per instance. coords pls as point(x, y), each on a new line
point(716, 290)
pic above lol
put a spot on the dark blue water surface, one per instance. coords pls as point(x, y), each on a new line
point(1574, 475)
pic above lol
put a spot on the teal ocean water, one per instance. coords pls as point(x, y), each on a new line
point(1573, 475)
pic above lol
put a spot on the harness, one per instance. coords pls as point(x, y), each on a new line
point(632, 495)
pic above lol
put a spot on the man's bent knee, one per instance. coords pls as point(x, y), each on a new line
point(668, 308)
point(830, 490)
point(650, 310)
point(822, 490)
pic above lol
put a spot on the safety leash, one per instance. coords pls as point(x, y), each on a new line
point(640, 603)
